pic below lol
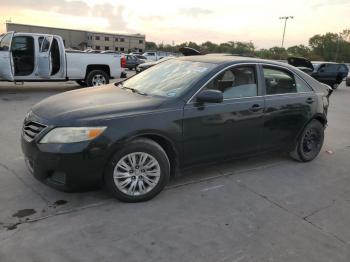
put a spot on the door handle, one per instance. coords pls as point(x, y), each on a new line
point(255, 108)
point(310, 100)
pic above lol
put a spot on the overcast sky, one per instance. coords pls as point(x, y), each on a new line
point(188, 20)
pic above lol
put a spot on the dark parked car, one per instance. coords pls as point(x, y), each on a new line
point(133, 136)
point(132, 61)
point(329, 73)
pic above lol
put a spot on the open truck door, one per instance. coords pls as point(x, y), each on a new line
point(6, 59)
point(44, 57)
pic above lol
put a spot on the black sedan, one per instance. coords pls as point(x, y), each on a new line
point(134, 136)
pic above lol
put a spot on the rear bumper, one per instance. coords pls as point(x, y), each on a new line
point(67, 167)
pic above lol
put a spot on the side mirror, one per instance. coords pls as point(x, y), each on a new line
point(210, 96)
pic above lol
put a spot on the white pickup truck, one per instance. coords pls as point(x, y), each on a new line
point(28, 57)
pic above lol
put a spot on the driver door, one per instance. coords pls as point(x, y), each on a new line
point(44, 57)
point(6, 59)
point(231, 128)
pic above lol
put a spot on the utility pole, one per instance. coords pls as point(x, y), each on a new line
point(338, 44)
point(285, 18)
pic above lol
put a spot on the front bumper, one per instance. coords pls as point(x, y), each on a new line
point(67, 167)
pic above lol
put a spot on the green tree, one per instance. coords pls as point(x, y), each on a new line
point(299, 50)
point(151, 46)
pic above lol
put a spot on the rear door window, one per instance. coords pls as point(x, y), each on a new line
point(279, 81)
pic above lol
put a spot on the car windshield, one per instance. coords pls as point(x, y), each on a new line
point(168, 79)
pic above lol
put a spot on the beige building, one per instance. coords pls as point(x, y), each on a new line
point(79, 39)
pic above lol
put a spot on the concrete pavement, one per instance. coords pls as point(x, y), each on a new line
point(267, 208)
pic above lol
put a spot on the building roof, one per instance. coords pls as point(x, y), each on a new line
point(77, 30)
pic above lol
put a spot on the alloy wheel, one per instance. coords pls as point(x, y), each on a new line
point(136, 174)
point(98, 80)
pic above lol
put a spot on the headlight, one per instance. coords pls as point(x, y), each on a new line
point(65, 135)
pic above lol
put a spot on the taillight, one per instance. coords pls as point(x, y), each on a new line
point(123, 62)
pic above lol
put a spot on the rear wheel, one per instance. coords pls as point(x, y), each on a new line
point(309, 143)
point(97, 78)
point(138, 172)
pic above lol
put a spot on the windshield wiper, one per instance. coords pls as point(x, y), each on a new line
point(135, 90)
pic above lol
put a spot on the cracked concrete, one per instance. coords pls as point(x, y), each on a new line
point(266, 208)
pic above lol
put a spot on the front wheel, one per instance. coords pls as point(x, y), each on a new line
point(97, 78)
point(138, 172)
point(309, 143)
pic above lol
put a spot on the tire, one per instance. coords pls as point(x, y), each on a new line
point(335, 86)
point(309, 143)
point(120, 170)
point(81, 83)
point(97, 78)
point(348, 81)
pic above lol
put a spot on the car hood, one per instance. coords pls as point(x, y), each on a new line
point(300, 62)
point(94, 104)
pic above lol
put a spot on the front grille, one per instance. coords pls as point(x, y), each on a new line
point(31, 130)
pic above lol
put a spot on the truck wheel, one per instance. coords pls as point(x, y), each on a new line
point(309, 143)
point(97, 78)
point(137, 172)
point(81, 83)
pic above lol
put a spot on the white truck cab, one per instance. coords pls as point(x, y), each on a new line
point(41, 57)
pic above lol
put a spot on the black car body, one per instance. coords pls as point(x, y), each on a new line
point(329, 73)
point(269, 108)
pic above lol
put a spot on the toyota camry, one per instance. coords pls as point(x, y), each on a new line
point(133, 136)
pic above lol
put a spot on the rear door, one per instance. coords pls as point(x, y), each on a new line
point(6, 59)
point(44, 57)
point(289, 104)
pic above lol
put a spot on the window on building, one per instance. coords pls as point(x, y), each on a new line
point(97, 38)
point(116, 49)
point(116, 39)
point(97, 47)
point(122, 49)
point(106, 38)
point(140, 41)
point(106, 47)
point(122, 40)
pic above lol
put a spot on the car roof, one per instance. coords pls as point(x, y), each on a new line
point(231, 59)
